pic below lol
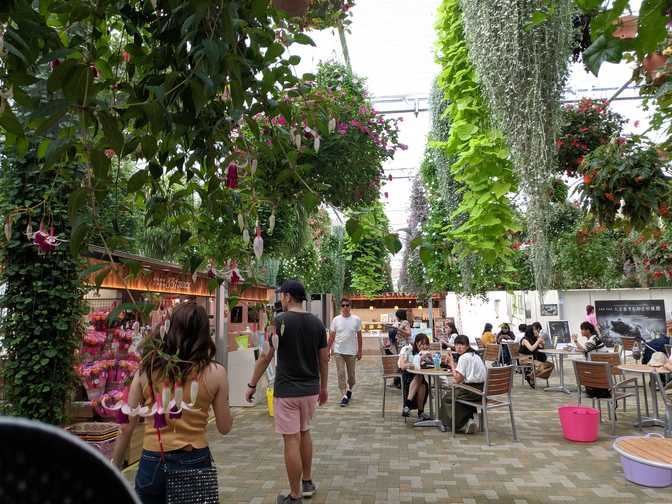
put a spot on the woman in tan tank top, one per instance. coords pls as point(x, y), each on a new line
point(194, 383)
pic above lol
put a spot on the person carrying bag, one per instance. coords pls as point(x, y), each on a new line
point(175, 395)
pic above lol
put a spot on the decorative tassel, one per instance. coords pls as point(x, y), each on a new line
point(193, 392)
point(160, 421)
point(271, 222)
point(258, 245)
point(241, 221)
point(253, 167)
point(332, 125)
point(8, 227)
point(316, 143)
point(246, 236)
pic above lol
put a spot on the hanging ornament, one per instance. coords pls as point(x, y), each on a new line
point(253, 167)
point(234, 276)
point(29, 229)
point(194, 276)
point(241, 221)
point(212, 272)
point(271, 222)
point(316, 142)
point(45, 242)
point(232, 176)
point(246, 236)
point(297, 140)
point(332, 125)
point(258, 245)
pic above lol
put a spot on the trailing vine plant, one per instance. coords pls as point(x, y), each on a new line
point(522, 67)
point(478, 152)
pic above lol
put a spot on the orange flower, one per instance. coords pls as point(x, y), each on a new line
point(587, 179)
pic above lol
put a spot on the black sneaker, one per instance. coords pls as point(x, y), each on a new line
point(406, 412)
point(287, 499)
point(344, 401)
point(309, 488)
point(348, 394)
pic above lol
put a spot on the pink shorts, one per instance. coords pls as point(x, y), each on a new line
point(293, 414)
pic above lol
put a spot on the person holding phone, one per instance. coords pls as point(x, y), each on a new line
point(471, 371)
point(533, 344)
point(415, 386)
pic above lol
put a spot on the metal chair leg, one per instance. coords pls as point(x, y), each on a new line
point(452, 408)
point(611, 405)
point(384, 392)
point(513, 422)
point(639, 409)
point(485, 421)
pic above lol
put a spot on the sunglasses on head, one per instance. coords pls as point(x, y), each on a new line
point(343, 305)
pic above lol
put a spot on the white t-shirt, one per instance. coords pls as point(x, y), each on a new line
point(346, 334)
point(471, 367)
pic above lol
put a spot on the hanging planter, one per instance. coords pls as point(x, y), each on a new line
point(625, 178)
point(653, 64)
point(627, 27)
point(295, 8)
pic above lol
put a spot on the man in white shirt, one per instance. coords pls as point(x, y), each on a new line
point(345, 344)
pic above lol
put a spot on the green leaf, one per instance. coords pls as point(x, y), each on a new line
point(113, 136)
point(274, 51)
point(137, 181)
point(652, 27)
point(91, 269)
point(42, 149)
point(10, 123)
point(76, 202)
point(101, 164)
point(100, 277)
point(426, 255)
point(78, 237)
point(133, 266)
point(392, 243)
point(58, 76)
point(302, 38)
point(415, 242)
point(148, 146)
point(144, 308)
point(604, 48)
point(294, 60)
point(354, 229)
point(588, 6)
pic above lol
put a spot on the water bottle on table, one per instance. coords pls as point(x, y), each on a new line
point(437, 360)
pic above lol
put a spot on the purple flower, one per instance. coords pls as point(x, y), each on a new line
point(160, 421)
point(175, 412)
point(342, 128)
point(403, 146)
point(232, 176)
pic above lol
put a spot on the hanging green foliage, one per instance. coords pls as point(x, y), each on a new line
point(478, 151)
point(523, 67)
point(367, 256)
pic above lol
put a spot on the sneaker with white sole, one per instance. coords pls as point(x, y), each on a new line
point(423, 416)
point(470, 427)
point(287, 499)
point(308, 487)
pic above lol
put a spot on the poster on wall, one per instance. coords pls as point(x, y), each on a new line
point(559, 331)
point(645, 318)
point(549, 310)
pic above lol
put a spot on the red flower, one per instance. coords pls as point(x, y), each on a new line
point(620, 140)
point(658, 274)
point(559, 143)
point(126, 57)
point(636, 124)
point(663, 246)
point(583, 130)
point(232, 176)
point(587, 179)
point(54, 63)
point(110, 153)
point(610, 196)
point(516, 245)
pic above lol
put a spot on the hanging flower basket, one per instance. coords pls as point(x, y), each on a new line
point(294, 8)
point(585, 126)
point(627, 27)
point(654, 64)
point(626, 177)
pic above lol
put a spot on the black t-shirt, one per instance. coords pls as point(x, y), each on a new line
point(300, 337)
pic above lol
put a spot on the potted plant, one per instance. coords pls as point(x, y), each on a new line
point(585, 126)
point(626, 176)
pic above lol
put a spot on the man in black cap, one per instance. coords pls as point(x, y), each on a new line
point(300, 339)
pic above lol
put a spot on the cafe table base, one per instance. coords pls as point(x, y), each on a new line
point(644, 370)
point(435, 376)
point(561, 371)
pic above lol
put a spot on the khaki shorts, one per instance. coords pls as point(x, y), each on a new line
point(293, 414)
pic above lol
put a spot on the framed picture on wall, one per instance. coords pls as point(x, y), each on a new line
point(559, 331)
point(549, 310)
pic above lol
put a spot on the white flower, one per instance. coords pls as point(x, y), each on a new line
point(332, 125)
point(316, 142)
point(271, 222)
point(246, 236)
point(253, 166)
point(297, 140)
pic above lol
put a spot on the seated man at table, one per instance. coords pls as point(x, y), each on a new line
point(469, 370)
point(415, 385)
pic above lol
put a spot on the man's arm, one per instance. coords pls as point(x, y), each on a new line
point(259, 369)
point(330, 341)
point(324, 374)
point(359, 344)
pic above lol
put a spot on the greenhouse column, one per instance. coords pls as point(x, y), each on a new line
point(221, 326)
point(431, 316)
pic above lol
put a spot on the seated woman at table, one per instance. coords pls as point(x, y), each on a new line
point(415, 386)
point(468, 370)
point(589, 341)
point(450, 335)
point(532, 344)
point(503, 336)
point(487, 338)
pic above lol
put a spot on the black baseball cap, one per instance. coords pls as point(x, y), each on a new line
point(294, 288)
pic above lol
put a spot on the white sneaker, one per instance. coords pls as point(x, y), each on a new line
point(470, 427)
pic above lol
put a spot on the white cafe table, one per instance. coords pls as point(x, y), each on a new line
point(435, 375)
point(561, 365)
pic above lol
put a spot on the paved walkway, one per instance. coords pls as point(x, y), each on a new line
point(361, 458)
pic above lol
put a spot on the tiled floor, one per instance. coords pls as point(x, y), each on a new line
point(362, 458)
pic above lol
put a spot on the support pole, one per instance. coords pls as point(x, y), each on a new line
point(430, 304)
point(344, 46)
point(221, 326)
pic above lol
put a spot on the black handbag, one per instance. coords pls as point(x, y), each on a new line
point(192, 486)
